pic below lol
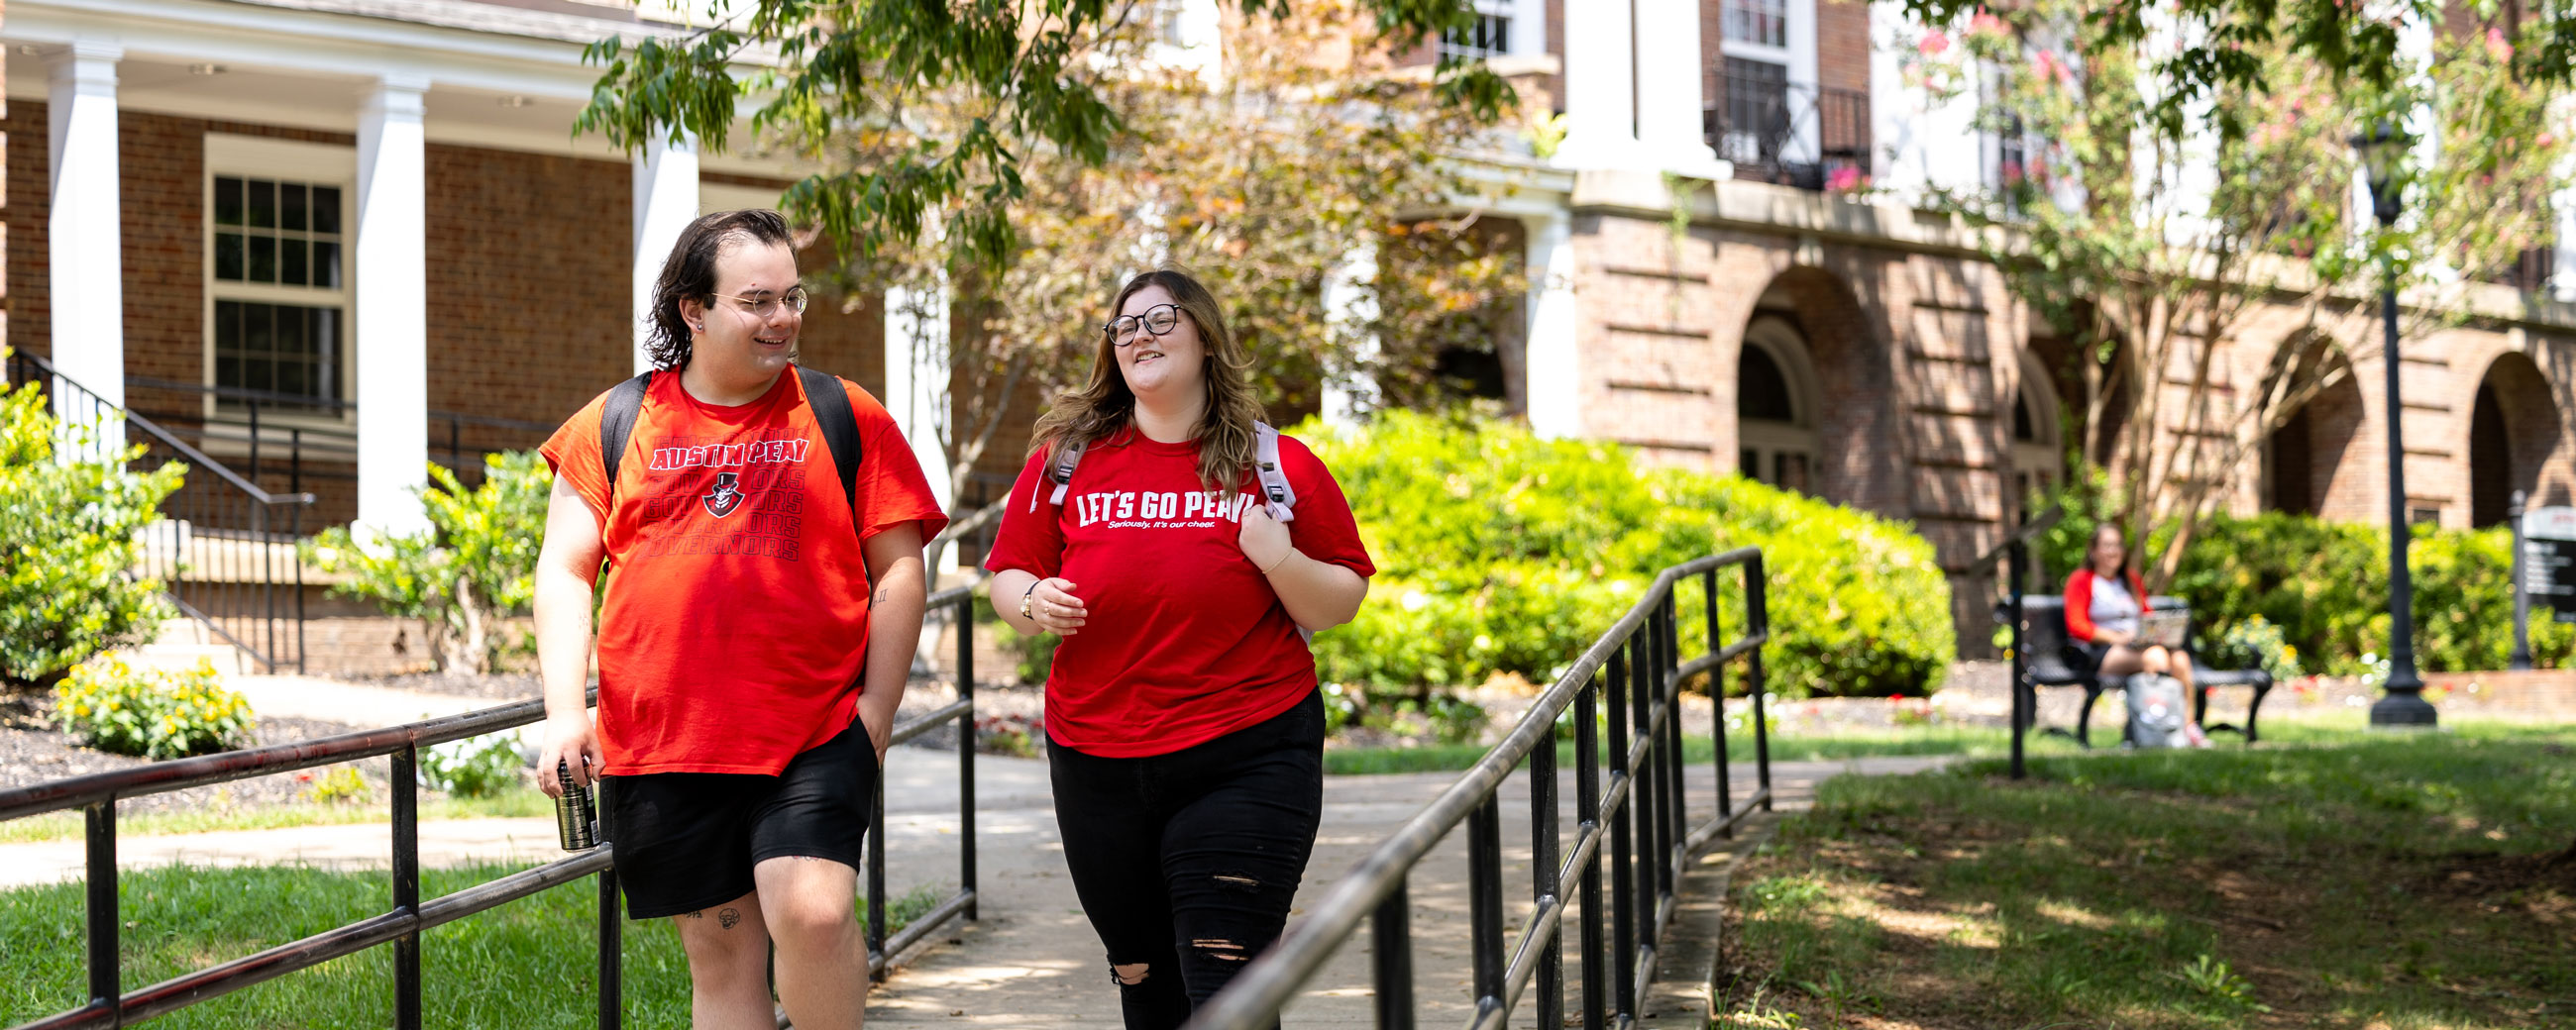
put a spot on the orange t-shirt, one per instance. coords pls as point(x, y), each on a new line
point(736, 624)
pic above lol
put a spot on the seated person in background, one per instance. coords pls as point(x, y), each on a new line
point(2105, 602)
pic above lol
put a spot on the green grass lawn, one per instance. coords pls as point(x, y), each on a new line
point(530, 963)
point(2363, 881)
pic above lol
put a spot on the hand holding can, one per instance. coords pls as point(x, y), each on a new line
point(576, 819)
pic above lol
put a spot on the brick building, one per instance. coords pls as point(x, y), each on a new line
point(366, 225)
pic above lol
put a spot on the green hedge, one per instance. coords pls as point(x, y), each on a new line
point(69, 535)
point(1499, 552)
point(2325, 584)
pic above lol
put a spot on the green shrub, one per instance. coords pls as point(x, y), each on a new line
point(67, 591)
point(152, 713)
point(477, 767)
point(2325, 584)
point(1499, 552)
point(474, 566)
point(2321, 588)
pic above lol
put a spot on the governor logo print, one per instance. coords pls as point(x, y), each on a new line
point(726, 497)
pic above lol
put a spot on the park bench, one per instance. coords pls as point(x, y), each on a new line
point(2044, 637)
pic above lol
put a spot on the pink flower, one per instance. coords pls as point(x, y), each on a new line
point(2012, 173)
point(2547, 139)
point(1986, 24)
point(1933, 43)
point(1844, 179)
point(2049, 67)
point(2497, 47)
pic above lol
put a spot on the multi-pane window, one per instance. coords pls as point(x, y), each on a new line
point(279, 257)
point(1491, 36)
point(1762, 22)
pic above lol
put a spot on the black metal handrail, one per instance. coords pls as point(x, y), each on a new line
point(2014, 555)
point(1637, 817)
point(225, 551)
point(326, 444)
point(110, 1005)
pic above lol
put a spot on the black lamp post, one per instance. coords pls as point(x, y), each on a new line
point(2403, 705)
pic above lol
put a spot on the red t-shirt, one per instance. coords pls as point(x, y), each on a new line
point(1186, 640)
point(735, 630)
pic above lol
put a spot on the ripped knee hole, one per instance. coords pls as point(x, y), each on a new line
point(1130, 975)
point(1220, 948)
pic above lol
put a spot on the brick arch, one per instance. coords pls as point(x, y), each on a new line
point(1860, 458)
point(2311, 462)
point(2514, 425)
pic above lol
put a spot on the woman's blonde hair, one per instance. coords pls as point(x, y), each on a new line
point(1105, 405)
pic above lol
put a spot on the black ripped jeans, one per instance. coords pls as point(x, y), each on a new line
point(1186, 863)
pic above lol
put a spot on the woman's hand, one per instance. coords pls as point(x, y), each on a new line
point(1053, 606)
point(1264, 539)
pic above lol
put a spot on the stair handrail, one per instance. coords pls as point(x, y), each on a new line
point(195, 458)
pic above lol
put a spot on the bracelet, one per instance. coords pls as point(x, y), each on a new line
point(1283, 560)
point(1025, 597)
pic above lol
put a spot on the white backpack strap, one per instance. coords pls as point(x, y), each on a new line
point(1062, 473)
point(1276, 495)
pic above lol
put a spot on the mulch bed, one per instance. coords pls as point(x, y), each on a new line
point(33, 751)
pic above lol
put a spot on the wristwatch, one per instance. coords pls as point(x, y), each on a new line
point(1025, 597)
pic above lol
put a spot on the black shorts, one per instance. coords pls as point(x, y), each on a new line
point(687, 841)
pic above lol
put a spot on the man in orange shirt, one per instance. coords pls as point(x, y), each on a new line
point(743, 714)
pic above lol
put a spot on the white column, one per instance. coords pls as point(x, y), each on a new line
point(1348, 390)
point(392, 280)
point(916, 394)
point(666, 201)
point(83, 231)
point(1670, 80)
point(1555, 373)
point(1600, 89)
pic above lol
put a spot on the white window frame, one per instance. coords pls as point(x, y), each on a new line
point(1799, 57)
point(1779, 339)
point(321, 164)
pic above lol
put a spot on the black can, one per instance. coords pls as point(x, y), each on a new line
point(576, 818)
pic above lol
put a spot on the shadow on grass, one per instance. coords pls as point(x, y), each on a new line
point(2359, 881)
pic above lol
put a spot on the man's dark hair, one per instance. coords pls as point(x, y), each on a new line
point(691, 272)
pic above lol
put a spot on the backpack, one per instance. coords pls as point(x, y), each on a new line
point(1278, 498)
point(2156, 711)
point(823, 393)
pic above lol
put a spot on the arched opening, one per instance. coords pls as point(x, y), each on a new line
point(1775, 405)
point(2303, 466)
point(2513, 422)
point(2038, 439)
point(1813, 396)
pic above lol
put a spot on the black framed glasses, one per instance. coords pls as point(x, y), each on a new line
point(1157, 320)
point(765, 304)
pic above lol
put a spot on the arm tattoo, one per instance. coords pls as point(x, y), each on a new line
point(882, 594)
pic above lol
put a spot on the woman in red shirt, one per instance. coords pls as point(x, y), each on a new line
point(1184, 731)
point(2105, 603)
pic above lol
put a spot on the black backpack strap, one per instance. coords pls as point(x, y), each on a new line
point(831, 404)
point(617, 422)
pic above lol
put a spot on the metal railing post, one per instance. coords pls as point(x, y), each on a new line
point(1587, 819)
point(1391, 931)
point(406, 819)
point(966, 751)
point(612, 951)
point(1485, 901)
point(2521, 658)
point(1758, 614)
point(106, 983)
point(1623, 891)
point(1545, 878)
point(1717, 708)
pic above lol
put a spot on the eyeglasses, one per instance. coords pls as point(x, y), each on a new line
point(1157, 320)
point(766, 304)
